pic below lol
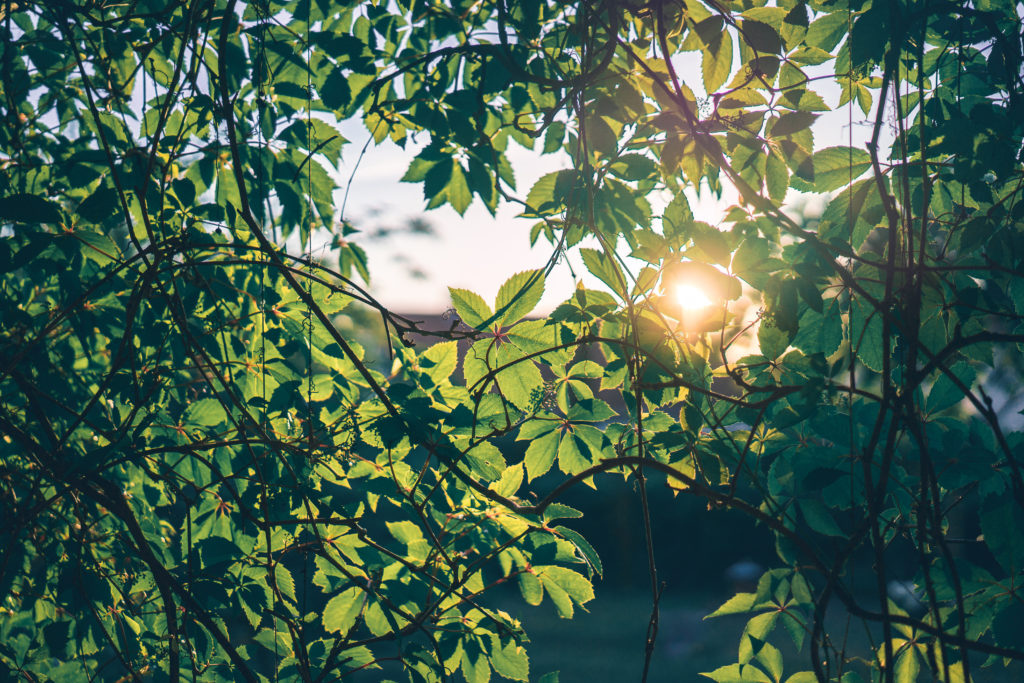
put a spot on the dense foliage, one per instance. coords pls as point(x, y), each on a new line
point(202, 476)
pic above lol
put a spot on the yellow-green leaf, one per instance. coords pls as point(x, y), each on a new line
point(717, 62)
point(471, 307)
point(342, 610)
point(518, 296)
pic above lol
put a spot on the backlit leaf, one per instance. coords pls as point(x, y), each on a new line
point(471, 307)
point(342, 610)
point(831, 168)
point(518, 296)
point(716, 63)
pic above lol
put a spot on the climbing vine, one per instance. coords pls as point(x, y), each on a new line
point(204, 476)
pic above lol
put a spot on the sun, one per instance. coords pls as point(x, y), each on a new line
point(691, 298)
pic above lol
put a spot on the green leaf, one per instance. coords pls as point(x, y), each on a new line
point(772, 340)
point(560, 599)
point(772, 660)
point(207, 412)
point(471, 307)
point(475, 667)
point(753, 262)
point(458, 193)
point(532, 336)
point(803, 677)
point(809, 56)
point(633, 167)
point(405, 532)
point(795, 23)
point(521, 382)
point(551, 193)
point(586, 368)
point(857, 208)
point(727, 674)
point(761, 36)
point(97, 247)
point(820, 519)
point(716, 64)
point(285, 582)
point(944, 393)
point(510, 660)
point(377, 619)
point(826, 31)
point(439, 361)
point(531, 588)
point(274, 641)
point(776, 177)
point(132, 624)
point(677, 216)
point(510, 481)
point(801, 591)
point(541, 455)
point(830, 169)
point(573, 583)
point(741, 603)
point(1001, 522)
point(760, 626)
point(444, 179)
point(867, 39)
point(28, 208)
point(553, 137)
point(736, 673)
point(486, 461)
point(518, 296)
point(583, 546)
point(605, 269)
point(866, 334)
point(590, 410)
point(572, 455)
point(908, 666)
point(712, 245)
point(560, 511)
point(100, 205)
point(342, 610)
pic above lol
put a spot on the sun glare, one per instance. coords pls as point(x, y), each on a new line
point(691, 298)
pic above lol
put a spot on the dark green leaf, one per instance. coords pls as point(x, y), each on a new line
point(28, 208)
